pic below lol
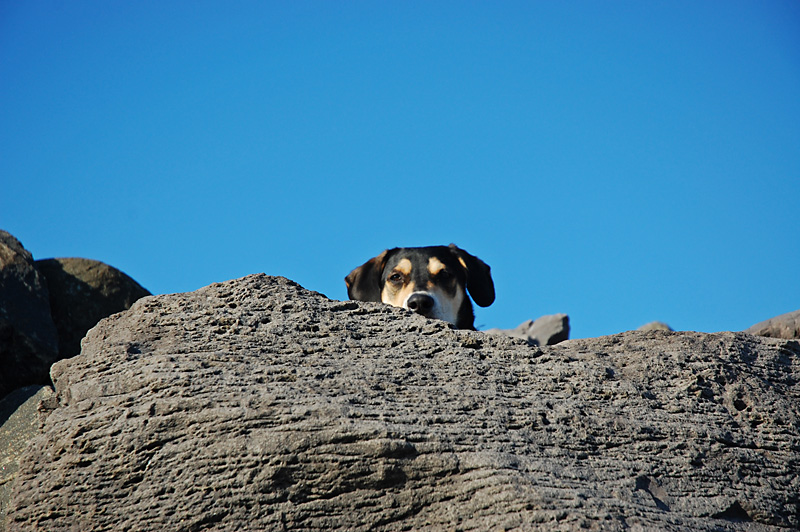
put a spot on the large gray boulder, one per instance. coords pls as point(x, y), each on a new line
point(82, 292)
point(783, 326)
point(257, 405)
point(28, 341)
point(547, 330)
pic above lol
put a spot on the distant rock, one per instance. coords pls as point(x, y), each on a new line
point(28, 339)
point(547, 330)
point(82, 292)
point(257, 405)
point(655, 326)
point(783, 326)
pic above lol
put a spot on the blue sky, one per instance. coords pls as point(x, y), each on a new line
point(621, 162)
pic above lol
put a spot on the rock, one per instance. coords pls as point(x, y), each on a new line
point(20, 420)
point(28, 341)
point(655, 326)
point(82, 292)
point(547, 330)
point(783, 326)
point(257, 405)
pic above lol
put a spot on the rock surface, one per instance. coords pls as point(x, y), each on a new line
point(783, 326)
point(20, 421)
point(257, 405)
point(547, 330)
point(82, 292)
point(28, 341)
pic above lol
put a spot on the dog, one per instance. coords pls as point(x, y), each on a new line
point(432, 281)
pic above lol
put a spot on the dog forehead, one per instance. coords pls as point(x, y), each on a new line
point(430, 260)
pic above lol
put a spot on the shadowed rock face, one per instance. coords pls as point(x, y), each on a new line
point(257, 405)
point(28, 339)
point(47, 306)
point(82, 292)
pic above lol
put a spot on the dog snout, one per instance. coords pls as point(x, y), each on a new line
point(421, 303)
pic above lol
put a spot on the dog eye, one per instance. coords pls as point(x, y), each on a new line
point(444, 275)
point(396, 278)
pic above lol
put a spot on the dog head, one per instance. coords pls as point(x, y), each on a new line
point(432, 281)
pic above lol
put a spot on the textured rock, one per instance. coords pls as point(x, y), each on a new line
point(28, 342)
point(783, 326)
point(547, 330)
point(20, 419)
point(82, 292)
point(257, 405)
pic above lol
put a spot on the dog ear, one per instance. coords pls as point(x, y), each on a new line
point(364, 283)
point(479, 277)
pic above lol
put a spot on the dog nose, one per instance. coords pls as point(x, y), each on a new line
point(420, 303)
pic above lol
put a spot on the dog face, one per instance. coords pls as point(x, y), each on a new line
point(432, 281)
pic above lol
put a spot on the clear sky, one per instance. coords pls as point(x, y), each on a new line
point(618, 161)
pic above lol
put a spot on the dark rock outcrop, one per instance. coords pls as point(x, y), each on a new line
point(547, 330)
point(28, 341)
point(82, 292)
point(257, 405)
point(783, 326)
point(47, 306)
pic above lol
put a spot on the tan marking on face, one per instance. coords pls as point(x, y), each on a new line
point(404, 267)
point(464, 264)
point(435, 266)
point(395, 297)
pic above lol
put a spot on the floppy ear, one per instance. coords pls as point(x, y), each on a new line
point(364, 283)
point(479, 276)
